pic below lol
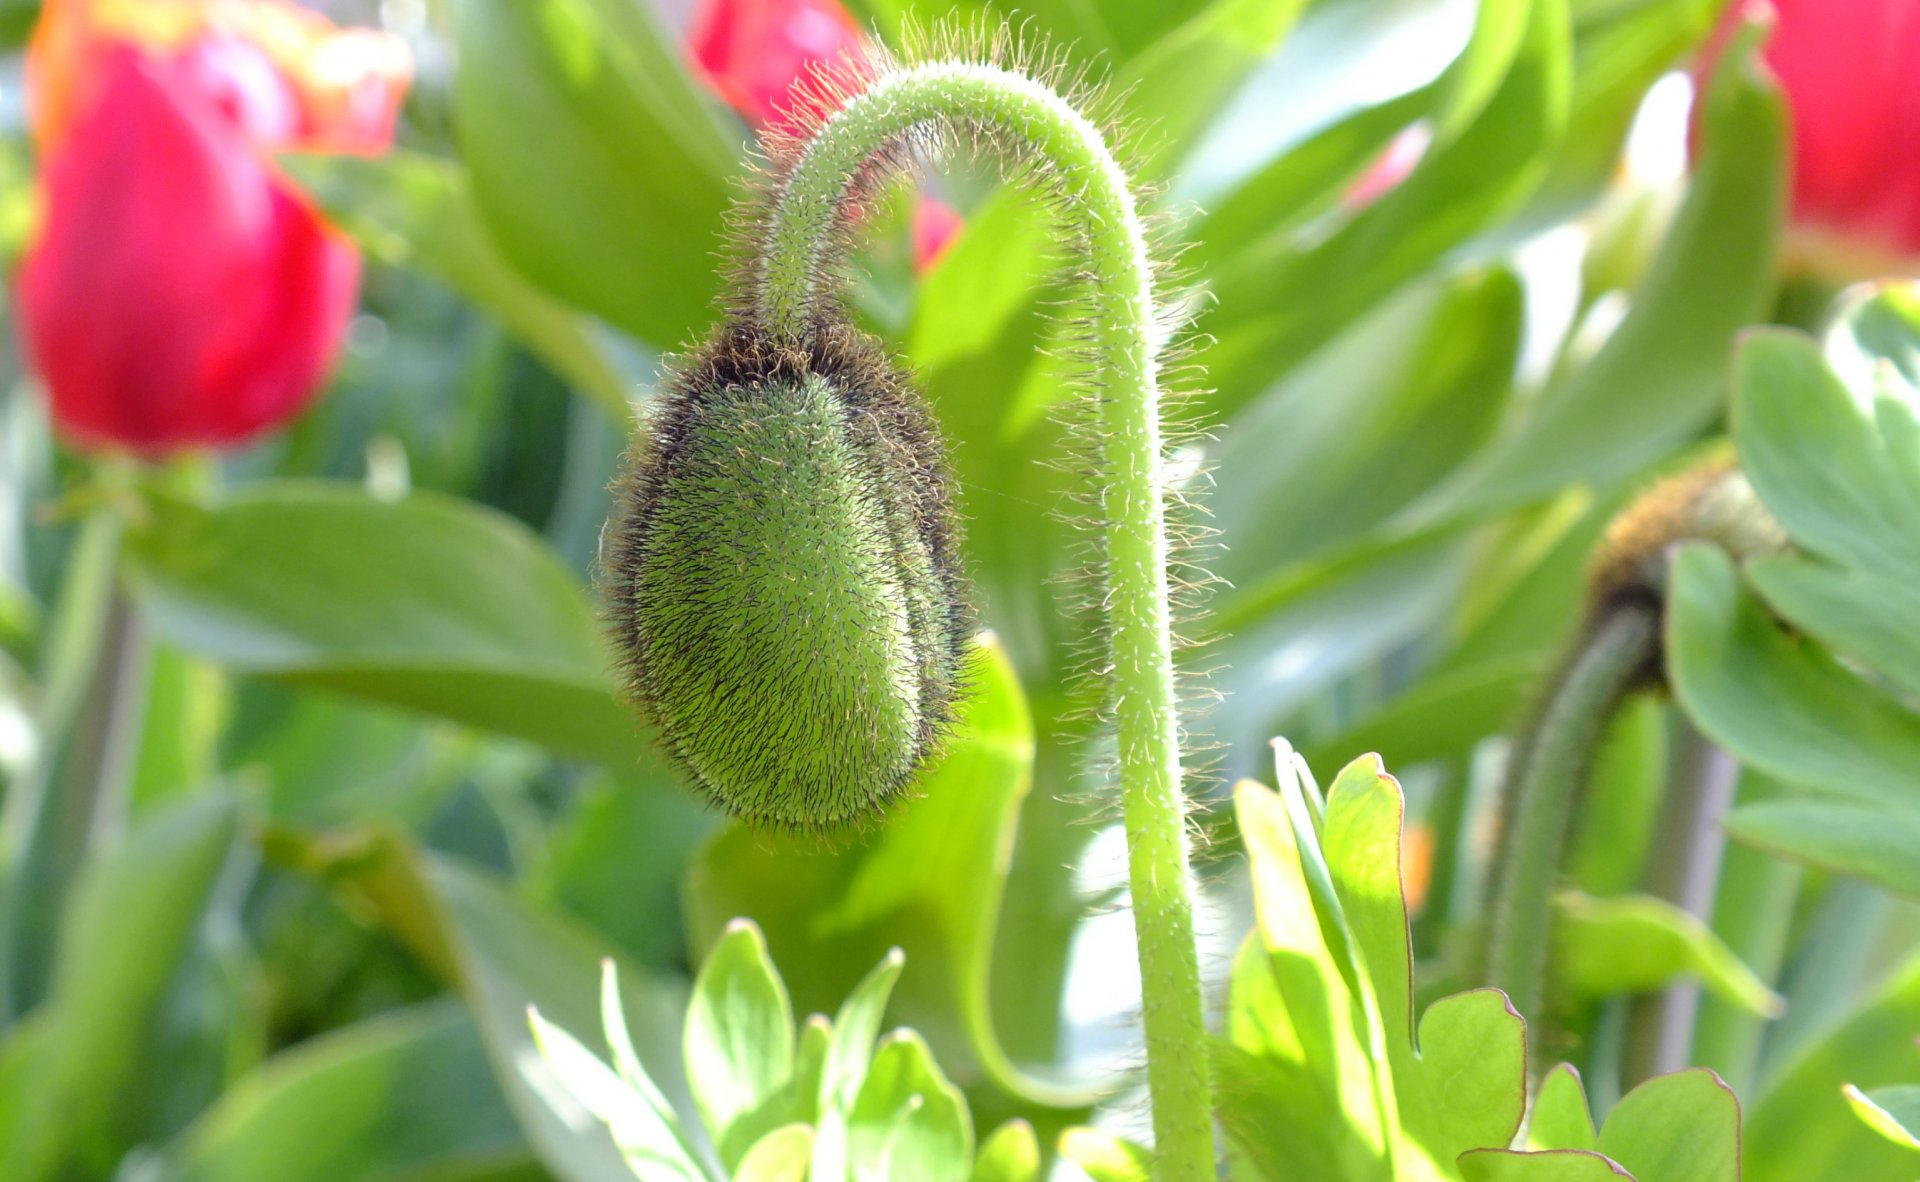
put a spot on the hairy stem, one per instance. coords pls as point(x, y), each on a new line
point(1124, 338)
point(1542, 785)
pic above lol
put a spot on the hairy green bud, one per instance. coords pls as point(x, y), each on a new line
point(1712, 502)
point(784, 577)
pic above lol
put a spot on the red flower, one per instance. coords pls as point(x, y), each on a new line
point(179, 291)
point(934, 225)
point(753, 51)
point(1846, 67)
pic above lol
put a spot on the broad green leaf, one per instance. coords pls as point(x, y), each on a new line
point(1894, 1113)
point(1552, 1165)
point(1784, 707)
point(1840, 468)
point(931, 883)
point(1104, 1157)
point(428, 603)
point(1638, 943)
point(1856, 613)
point(1471, 1087)
point(780, 1156)
point(1878, 844)
point(908, 1121)
point(1560, 1118)
point(1683, 1127)
point(410, 210)
point(1802, 1123)
point(601, 170)
point(739, 1038)
point(1010, 1154)
point(1276, 305)
point(133, 918)
point(405, 1095)
point(1661, 374)
point(855, 1027)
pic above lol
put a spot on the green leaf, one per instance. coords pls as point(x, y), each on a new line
point(134, 916)
point(1638, 943)
point(1010, 1154)
point(739, 1038)
point(1423, 382)
point(1104, 1157)
point(1894, 1113)
point(1661, 374)
point(1277, 304)
point(908, 1121)
point(1839, 468)
point(1463, 1084)
point(403, 1095)
point(1560, 1118)
point(1553, 1165)
point(1683, 1127)
point(1187, 74)
point(409, 210)
point(1877, 844)
point(429, 603)
point(780, 1156)
point(1786, 708)
point(1856, 613)
point(930, 883)
point(602, 171)
point(1802, 1123)
point(643, 1128)
point(856, 1025)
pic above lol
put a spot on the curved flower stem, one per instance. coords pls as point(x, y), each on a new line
point(1123, 335)
point(1542, 785)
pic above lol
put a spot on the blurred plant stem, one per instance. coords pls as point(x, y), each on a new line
point(1685, 870)
point(73, 796)
point(1118, 318)
point(1753, 914)
point(1543, 782)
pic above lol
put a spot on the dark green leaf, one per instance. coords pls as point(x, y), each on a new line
point(601, 170)
point(428, 603)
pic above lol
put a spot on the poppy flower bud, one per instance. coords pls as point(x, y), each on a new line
point(1711, 503)
point(784, 577)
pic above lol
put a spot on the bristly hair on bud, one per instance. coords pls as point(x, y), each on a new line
point(784, 578)
point(1710, 502)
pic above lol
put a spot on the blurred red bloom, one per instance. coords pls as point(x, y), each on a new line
point(1846, 67)
point(752, 51)
point(179, 290)
point(934, 225)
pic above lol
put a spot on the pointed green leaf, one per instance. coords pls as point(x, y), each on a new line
point(1104, 1157)
point(739, 1038)
point(1010, 1154)
point(1638, 943)
point(780, 1156)
point(1894, 1113)
point(1560, 1118)
point(908, 1121)
point(850, 1042)
point(644, 1129)
point(1802, 1123)
point(1683, 1127)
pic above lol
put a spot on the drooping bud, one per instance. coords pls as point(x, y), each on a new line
point(784, 577)
point(1710, 503)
